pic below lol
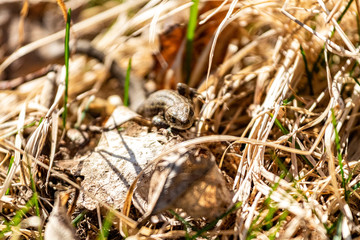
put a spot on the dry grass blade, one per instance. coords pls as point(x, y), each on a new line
point(125, 219)
point(274, 148)
point(54, 134)
point(79, 29)
point(17, 158)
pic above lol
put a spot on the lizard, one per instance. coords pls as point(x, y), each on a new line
point(170, 108)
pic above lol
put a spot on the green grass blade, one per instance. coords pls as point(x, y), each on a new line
point(86, 109)
point(343, 12)
point(356, 186)
point(339, 155)
point(338, 229)
point(104, 231)
point(308, 72)
point(266, 223)
point(278, 225)
point(10, 165)
point(212, 224)
point(67, 53)
point(357, 82)
point(209, 226)
point(280, 126)
point(35, 198)
point(183, 221)
point(78, 218)
point(320, 57)
point(16, 130)
point(285, 131)
point(288, 100)
point(356, 63)
point(282, 166)
point(127, 84)
point(19, 215)
point(190, 38)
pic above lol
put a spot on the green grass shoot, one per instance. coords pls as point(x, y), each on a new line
point(86, 109)
point(78, 218)
point(307, 70)
point(35, 197)
point(288, 100)
point(186, 224)
point(104, 231)
point(190, 34)
point(266, 224)
point(209, 226)
point(16, 130)
point(339, 155)
point(127, 84)
point(345, 10)
point(338, 228)
point(320, 57)
point(19, 215)
point(67, 53)
point(285, 131)
point(212, 224)
point(282, 217)
point(356, 186)
point(10, 165)
point(356, 63)
point(282, 166)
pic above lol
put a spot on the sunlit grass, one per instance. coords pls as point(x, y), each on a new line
point(67, 55)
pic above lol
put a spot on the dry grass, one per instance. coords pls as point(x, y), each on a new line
point(280, 112)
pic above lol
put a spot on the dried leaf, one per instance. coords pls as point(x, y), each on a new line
point(188, 179)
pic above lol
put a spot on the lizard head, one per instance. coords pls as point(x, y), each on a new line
point(180, 116)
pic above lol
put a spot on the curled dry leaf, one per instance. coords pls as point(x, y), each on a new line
point(188, 179)
point(118, 158)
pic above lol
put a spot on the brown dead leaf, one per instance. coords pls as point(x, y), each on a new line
point(170, 60)
point(188, 179)
point(118, 158)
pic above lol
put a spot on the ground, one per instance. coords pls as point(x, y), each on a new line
point(273, 151)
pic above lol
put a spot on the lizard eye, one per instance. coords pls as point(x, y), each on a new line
point(173, 119)
point(191, 113)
